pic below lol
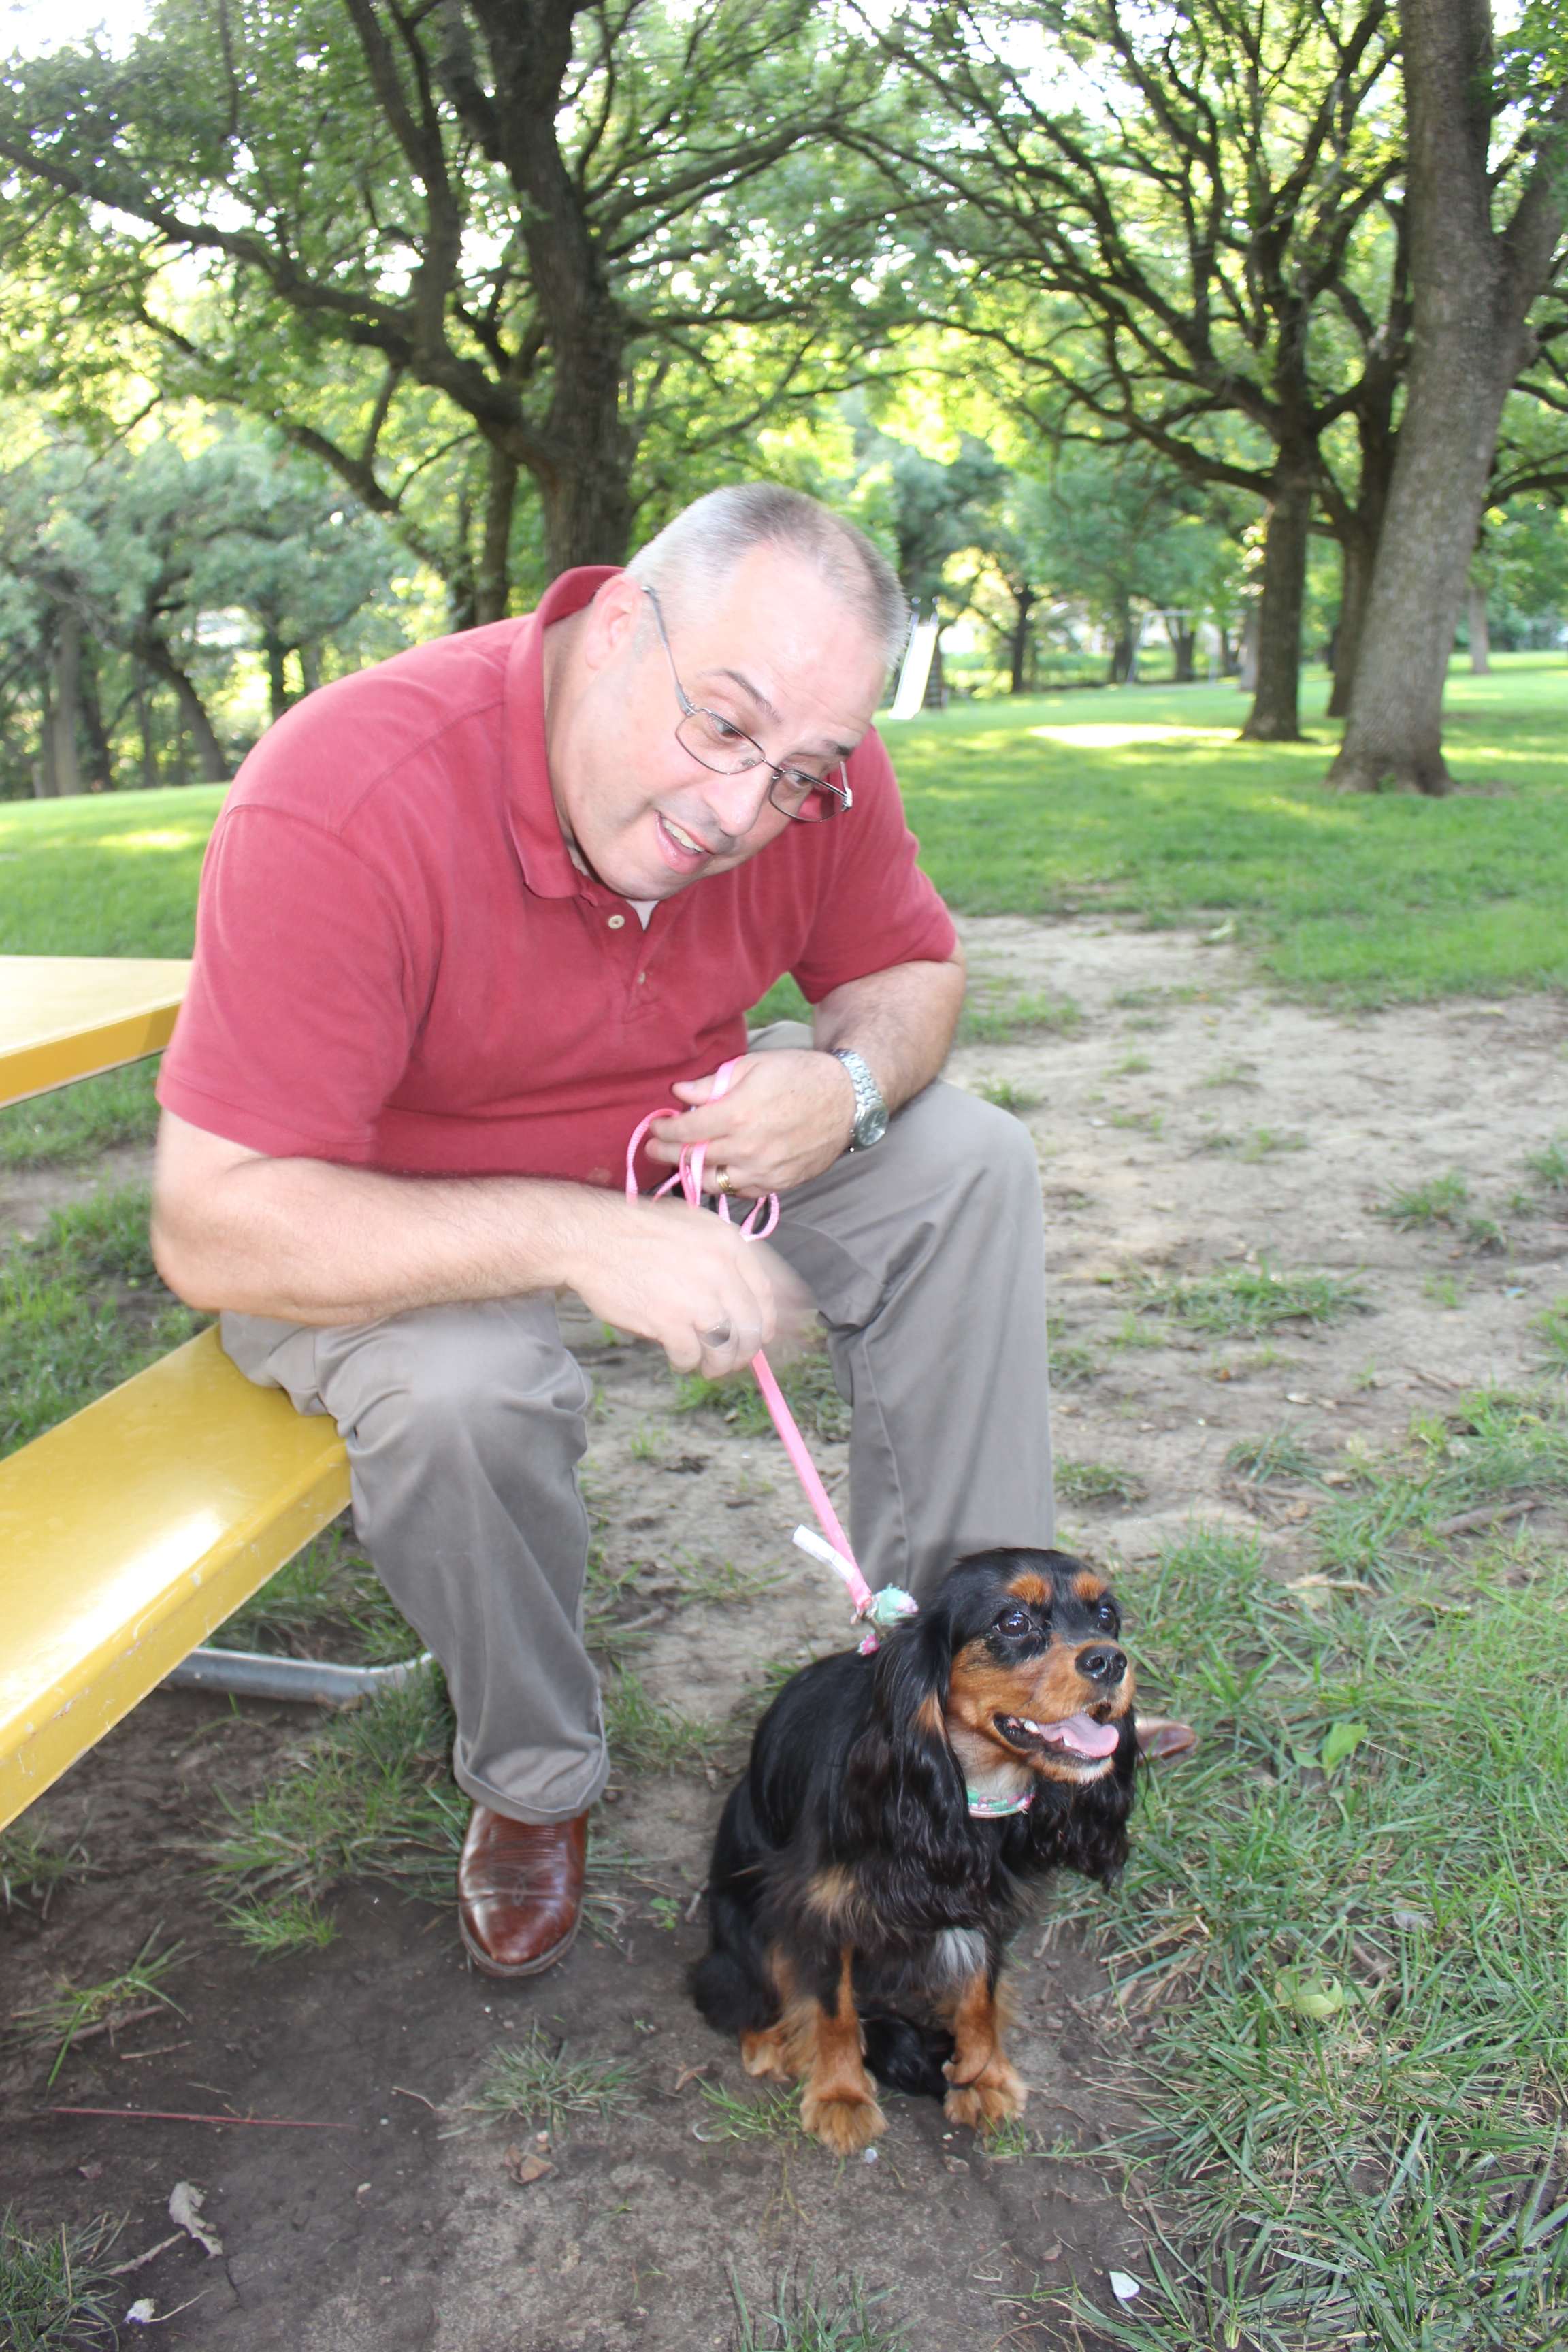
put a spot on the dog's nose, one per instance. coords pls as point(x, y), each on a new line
point(1106, 1666)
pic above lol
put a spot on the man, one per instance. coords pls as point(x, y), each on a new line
point(464, 919)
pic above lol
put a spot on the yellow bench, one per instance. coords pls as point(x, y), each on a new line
point(133, 1530)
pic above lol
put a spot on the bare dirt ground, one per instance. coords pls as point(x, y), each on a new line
point(1187, 1122)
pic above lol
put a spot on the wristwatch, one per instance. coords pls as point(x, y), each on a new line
point(872, 1113)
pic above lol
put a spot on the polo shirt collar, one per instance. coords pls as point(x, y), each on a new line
point(546, 862)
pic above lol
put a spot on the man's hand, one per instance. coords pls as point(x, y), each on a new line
point(709, 1297)
point(786, 1115)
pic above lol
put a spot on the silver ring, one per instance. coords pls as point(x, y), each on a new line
point(722, 1181)
point(719, 1336)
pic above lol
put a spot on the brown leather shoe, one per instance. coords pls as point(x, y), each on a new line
point(520, 1891)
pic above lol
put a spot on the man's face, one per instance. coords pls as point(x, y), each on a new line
point(775, 653)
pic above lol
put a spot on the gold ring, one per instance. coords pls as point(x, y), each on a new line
point(721, 1183)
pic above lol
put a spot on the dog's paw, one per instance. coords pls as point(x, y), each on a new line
point(765, 2054)
point(991, 2099)
point(845, 2125)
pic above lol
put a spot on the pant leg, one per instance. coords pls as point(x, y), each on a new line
point(926, 1256)
point(465, 1425)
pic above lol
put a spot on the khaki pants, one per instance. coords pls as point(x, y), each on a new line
point(465, 1425)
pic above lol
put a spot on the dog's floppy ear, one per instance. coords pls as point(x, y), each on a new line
point(1088, 1833)
point(901, 1788)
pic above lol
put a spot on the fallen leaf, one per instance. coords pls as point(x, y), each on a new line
point(690, 2074)
point(525, 2167)
point(1315, 1997)
point(1123, 2287)
point(1343, 1740)
point(185, 2212)
point(141, 2314)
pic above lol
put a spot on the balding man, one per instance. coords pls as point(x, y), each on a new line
point(467, 917)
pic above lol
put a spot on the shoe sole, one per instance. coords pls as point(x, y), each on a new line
point(493, 1967)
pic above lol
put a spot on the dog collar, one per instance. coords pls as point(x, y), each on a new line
point(990, 1808)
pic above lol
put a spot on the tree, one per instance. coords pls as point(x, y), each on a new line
point(550, 217)
point(1475, 278)
point(1176, 224)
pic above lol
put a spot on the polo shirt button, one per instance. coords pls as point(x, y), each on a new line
point(641, 977)
point(616, 921)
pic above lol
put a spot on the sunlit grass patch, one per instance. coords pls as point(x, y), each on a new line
point(535, 2081)
point(1282, 1454)
point(991, 1016)
point(1496, 1446)
point(1341, 1936)
point(82, 1308)
point(1007, 1095)
point(1237, 1302)
point(1436, 1201)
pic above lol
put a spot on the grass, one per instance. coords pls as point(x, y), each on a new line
point(1438, 1201)
point(327, 1601)
point(644, 1736)
point(1549, 1166)
point(1253, 1147)
point(371, 1798)
point(31, 1869)
point(82, 1308)
point(536, 2081)
point(1280, 1454)
point(1072, 1365)
point(1243, 1302)
point(806, 2318)
point(772, 2114)
point(71, 1126)
point(992, 1017)
point(1139, 801)
point(810, 1389)
point(74, 2013)
point(56, 2292)
point(274, 1930)
point(1096, 1482)
point(1551, 1324)
point(1497, 1447)
point(1007, 1096)
point(1342, 1928)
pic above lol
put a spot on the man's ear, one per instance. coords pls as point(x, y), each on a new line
point(611, 622)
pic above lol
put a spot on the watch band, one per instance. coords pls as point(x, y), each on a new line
point(872, 1113)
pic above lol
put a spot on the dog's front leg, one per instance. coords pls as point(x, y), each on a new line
point(986, 2089)
point(839, 2108)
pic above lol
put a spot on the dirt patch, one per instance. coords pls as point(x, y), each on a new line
point(1188, 1125)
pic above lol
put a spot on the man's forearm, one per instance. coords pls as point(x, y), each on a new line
point(313, 1242)
point(900, 1022)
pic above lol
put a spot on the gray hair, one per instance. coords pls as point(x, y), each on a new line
point(695, 554)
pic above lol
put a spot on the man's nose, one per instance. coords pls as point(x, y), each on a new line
point(737, 803)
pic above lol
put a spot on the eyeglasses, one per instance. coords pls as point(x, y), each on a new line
point(726, 749)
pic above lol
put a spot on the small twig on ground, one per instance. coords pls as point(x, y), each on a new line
point(123, 2270)
point(1491, 1515)
point(398, 2091)
point(161, 2116)
point(1436, 1379)
point(692, 1909)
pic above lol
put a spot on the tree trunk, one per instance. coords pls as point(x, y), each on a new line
point(1247, 652)
point(276, 653)
point(1275, 714)
point(309, 654)
point(492, 588)
point(1184, 645)
point(64, 765)
point(1018, 641)
point(144, 728)
point(1480, 635)
point(1472, 290)
point(102, 776)
point(1358, 552)
point(214, 765)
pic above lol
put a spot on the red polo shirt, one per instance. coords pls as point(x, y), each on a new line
point(398, 966)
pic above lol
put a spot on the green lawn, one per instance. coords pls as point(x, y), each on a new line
point(1134, 800)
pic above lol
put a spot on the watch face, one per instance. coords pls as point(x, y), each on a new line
point(873, 1127)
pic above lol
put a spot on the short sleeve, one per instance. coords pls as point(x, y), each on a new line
point(303, 1002)
point(878, 908)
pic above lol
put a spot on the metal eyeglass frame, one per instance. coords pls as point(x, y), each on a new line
point(799, 780)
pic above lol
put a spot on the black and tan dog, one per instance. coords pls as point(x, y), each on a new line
point(872, 1862)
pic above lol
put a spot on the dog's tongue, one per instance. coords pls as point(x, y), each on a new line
point(1082, 1735)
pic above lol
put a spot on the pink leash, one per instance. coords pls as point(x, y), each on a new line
point(884, 1608)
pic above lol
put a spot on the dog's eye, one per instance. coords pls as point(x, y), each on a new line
point(1107, 1616)
point(1015, 1622)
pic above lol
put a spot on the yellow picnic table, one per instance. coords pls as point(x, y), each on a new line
point(65, 1017)
point(131, 1530)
